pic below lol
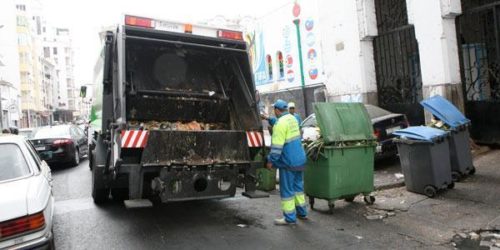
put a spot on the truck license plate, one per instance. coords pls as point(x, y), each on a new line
point(166, 26)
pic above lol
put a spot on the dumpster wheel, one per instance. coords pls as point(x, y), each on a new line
point(451, 185)
point(370, 199)
point(455, 176)
point(331, 206)
point(311, 202)
point(430, 191)
point(350, 199)
point(472, 171)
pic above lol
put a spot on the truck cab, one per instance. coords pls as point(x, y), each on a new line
point(174, 114)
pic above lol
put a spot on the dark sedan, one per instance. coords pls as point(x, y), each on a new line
point(65, 144)
point(384, 124)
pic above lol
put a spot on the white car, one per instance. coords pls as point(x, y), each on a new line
point(26, 200)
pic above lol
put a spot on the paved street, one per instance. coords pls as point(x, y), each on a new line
point(417, 222)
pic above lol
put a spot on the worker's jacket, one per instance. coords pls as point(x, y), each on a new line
point(286, 146)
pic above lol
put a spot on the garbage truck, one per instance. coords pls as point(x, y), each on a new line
point(174, 114)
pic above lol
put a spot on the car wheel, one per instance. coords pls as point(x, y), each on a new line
point(76, 157)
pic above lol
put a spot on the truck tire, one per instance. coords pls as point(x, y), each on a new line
point(100, 192)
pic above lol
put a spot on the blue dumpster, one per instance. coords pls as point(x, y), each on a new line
point(424, 155)
point(458, 125)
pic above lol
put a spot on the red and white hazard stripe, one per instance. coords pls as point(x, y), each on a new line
point(255, 139)
point(134, 138)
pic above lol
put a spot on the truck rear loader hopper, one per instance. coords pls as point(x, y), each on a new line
point(176, 115)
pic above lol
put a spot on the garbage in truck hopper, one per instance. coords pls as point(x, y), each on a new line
point(180, 126)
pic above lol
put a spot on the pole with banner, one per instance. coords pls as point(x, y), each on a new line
point(296, 21)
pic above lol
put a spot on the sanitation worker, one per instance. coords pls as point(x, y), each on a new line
point(291, 109)
point(287, 155)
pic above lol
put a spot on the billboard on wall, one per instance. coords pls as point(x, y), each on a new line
point(274, 47)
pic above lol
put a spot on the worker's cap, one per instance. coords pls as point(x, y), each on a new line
point(280, 104)
point(291, 105)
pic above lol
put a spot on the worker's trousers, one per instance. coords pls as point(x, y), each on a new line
point(293, 200)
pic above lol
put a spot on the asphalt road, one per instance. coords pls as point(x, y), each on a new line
point(215, 224)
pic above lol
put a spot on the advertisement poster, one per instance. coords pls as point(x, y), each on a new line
point(274, 47)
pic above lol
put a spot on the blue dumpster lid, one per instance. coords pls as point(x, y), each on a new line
point(445, 111)
point(421, 133)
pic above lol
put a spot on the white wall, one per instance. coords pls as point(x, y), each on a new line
point(436, 35)
point(347, 28)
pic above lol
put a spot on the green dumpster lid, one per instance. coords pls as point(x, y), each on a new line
point(342, 122)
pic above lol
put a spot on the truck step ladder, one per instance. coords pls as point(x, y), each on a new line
point(138, 203)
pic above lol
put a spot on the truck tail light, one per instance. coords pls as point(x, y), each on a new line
point(62, 142)
point(376, 133)
point(22, 225)
point(233, 35)
point(139, 21)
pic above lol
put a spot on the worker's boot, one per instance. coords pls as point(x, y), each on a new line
point(282, 222)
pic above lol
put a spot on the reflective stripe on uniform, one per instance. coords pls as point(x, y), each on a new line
point(300, 199)
point(288, 205)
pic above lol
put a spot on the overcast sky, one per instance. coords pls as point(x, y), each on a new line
point(86, 18)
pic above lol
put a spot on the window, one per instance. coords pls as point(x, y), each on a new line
point(46, 52)
point(34, 156)
point(12, 162)
point(24, 77)
point(22, 39)
point(21, 21)
point(54, 51)
point(269, 61)
point(281, 69)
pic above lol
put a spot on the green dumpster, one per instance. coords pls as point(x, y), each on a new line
point(266, 179)
point(342, 166)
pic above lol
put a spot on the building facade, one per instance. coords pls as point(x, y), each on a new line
point(9, 66)
point(57, 47)
point(391, 53)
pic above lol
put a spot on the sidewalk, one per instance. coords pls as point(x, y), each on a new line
point(388, 173)
point(466, 217)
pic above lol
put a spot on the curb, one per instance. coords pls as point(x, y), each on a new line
point(480, 151)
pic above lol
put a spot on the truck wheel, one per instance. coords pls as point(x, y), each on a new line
point(100, 193)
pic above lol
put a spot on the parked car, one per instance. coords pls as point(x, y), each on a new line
point(26, 202)
point(61, 144)
point(27, 132)
point(384, 124)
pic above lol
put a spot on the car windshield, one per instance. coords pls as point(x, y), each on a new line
point(52, 132)
point(12, 162)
